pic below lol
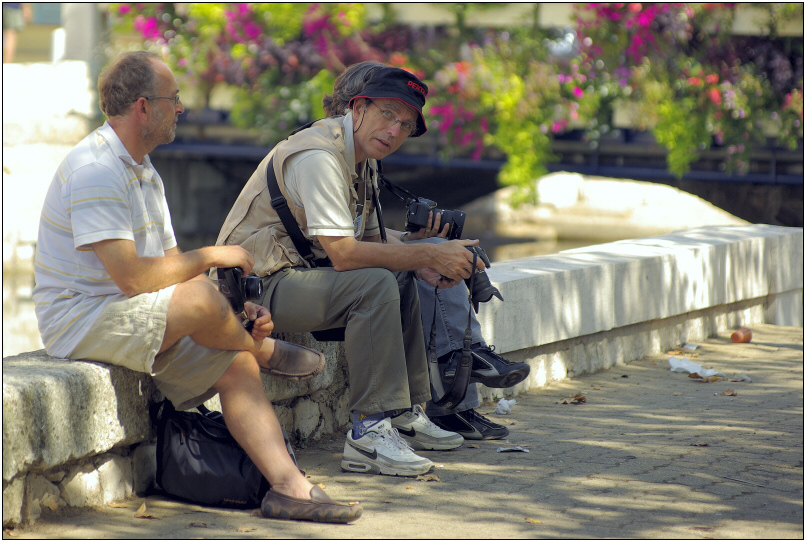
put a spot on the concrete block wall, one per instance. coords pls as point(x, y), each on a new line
point(77, 433)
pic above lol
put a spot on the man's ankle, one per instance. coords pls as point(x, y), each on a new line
point(362, 422)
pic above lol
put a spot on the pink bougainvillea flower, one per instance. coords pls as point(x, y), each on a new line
point(715, 96)
point(694, 81)
point(123, 9)
point(712, 79)
point(578, 92)
point(634, 7)
point(147, 26)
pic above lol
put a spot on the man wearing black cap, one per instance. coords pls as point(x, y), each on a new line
point(327, 175)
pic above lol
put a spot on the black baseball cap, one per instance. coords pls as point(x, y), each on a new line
point(397, 84)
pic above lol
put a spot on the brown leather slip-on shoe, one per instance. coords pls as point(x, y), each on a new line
point(319, 508)
point(294, 362)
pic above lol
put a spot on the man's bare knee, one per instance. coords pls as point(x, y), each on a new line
point(198, 299)
point(243, 368)
point(194, 305)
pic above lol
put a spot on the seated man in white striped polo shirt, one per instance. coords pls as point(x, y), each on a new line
point(112, 285)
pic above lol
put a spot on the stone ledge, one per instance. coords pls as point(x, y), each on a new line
point(583, 291)
point(67, 425)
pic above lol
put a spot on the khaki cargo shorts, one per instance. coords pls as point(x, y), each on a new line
point(129, 333)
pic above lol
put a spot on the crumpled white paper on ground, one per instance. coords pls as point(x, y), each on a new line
point(504, 406)
point(685, 365)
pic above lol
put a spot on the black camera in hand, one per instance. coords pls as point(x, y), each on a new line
point(239, 289)
point(417, 217)
point(481, 289)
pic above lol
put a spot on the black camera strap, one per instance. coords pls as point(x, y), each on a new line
point(461, 378)
point(280, 205)
point(396, 190)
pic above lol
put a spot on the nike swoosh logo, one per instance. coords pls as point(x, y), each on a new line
point(482, 360)
point(408, 432)
point(372, 455)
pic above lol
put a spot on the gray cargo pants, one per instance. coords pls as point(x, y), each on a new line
point(383, 337)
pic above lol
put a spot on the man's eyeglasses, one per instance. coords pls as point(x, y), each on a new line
point(406, 127)
point(174, 99)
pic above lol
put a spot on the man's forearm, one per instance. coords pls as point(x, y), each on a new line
point(136, 275)
point(450, 259)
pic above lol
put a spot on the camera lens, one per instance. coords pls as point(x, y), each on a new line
point(483, 290)
point(253, 288)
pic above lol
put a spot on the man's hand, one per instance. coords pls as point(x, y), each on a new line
point(431, 230)
point(261, 317)
point(434, 278)
point(232, 256)
point(454, 261)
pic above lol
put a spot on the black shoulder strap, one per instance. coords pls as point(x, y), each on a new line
point(279, 204)
point(377, 202)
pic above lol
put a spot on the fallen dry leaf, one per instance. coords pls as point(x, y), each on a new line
point(687, 353)
point(117, 505)
point(246, 529)
point(573, 399)
point(409, 487)
point(706, 380)
point(142, 513)
point(473, 446)
point(428, 478)
point(10, 532)
point(730, 392)
point(321, 485)
point(198, 524)
point(532, 520)
point(678, 393)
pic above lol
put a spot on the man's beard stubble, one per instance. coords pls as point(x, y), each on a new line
point(157, 133)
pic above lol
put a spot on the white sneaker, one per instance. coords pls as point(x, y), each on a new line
point(422, 434)
point(381, 451)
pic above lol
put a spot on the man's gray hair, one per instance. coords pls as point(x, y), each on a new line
point(122, 82)
point(347, 86)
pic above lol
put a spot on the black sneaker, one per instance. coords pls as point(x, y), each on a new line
point(488, 367)
point(471, 425)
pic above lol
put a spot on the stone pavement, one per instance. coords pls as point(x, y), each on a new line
point(649, 454)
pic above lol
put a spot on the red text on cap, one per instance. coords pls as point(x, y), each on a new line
point(418, 87)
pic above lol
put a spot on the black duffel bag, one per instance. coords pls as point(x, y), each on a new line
point(199, 461)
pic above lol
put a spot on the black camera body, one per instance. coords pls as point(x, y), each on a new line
point(239, 289)
point(417, 217)
point(481, 290)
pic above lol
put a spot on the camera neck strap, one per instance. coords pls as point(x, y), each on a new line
point(461, 377)
point(398, 191)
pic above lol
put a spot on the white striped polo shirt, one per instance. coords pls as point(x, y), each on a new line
point(98, 193)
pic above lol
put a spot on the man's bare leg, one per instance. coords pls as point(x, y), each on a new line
point(198, 310)
point(251, 420)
